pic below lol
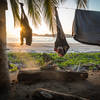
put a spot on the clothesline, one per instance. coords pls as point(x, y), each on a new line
point(78, 8)
point(72, 8)
point(68, 8)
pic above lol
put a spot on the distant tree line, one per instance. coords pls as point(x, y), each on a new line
point(50, 35)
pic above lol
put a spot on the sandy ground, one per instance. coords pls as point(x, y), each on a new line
point(89, 88)
point(49, 48)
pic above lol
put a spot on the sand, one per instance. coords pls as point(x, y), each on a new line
point(89, 88)
point(49, 48)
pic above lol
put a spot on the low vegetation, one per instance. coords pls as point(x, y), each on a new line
point(71, 59)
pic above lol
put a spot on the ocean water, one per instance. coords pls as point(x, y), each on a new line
point(39, 39)
point(49, 48)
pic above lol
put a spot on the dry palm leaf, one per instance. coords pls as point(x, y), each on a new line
point(26, 31)
point(61, 45)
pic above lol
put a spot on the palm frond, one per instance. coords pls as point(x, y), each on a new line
point(34, 10)
point(82, 3)
point(49, 12)
point(49, 8)
point(15, 11)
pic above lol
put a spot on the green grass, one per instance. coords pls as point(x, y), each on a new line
point(70, 59)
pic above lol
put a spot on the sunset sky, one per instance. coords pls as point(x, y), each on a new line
point(66, 18)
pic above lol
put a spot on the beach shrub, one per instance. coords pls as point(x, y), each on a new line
point(70, 59)
point(13, 68)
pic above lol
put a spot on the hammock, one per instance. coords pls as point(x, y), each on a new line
point(61, 45)
point(86, 27)
point(26, 31)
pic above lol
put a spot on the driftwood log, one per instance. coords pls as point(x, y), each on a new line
point(43, 94)
point(30, 77)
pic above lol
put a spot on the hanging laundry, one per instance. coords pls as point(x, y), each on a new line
point(26, 31)
point(86, 27)
point(61, 45)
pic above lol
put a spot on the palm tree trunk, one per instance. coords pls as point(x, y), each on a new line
point(4, 75)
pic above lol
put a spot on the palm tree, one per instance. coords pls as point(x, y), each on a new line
point(4, 76)
point(35, 8)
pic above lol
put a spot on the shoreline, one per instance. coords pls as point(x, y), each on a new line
point(49, 48)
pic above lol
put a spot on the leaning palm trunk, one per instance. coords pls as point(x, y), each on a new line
point(4, 76)
point(61, 45)
point(26, 31)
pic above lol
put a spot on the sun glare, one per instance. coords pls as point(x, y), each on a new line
point(17, 31)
